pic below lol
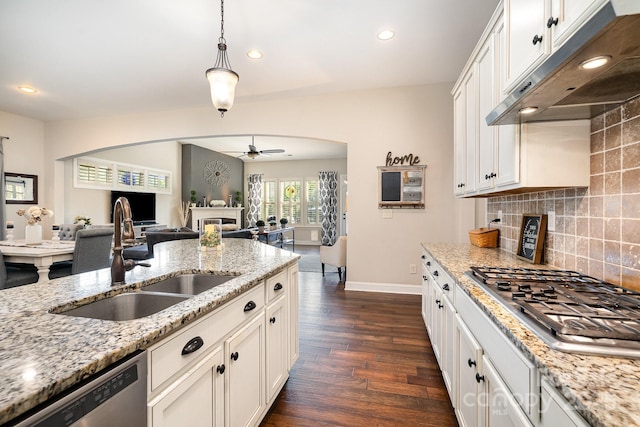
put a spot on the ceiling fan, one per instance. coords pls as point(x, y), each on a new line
point(254, 152)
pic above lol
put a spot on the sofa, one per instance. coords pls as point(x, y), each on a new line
point(157, 235)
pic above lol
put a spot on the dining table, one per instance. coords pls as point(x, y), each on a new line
point(42, 255)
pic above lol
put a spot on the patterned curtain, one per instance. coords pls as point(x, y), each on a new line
point(328, 193)
point(254, 199)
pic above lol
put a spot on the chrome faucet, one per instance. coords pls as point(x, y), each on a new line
point(121, 217)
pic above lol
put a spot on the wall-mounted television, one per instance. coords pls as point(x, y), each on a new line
point(143, 206)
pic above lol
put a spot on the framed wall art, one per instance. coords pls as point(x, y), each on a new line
point(532, 234)
point(401, 186)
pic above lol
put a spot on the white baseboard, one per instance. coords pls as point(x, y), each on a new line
point(388, 288)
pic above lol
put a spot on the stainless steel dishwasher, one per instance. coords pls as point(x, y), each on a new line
point(116, 396)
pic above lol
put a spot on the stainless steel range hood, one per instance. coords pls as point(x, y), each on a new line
point(561, 90)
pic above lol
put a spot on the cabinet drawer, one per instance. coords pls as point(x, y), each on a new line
point(166, 359)
point(276, 286)
point(443, 280)
point(519, 374)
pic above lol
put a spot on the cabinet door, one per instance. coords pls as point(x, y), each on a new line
point(426, 307)
point(436, 320)
point(277, 355)
point(567, 16)
point(499, 407)
point(196, 400)
point(460, 141)
point(554, 409)
point(469, 362)
point(471, 130)
point(526, 20)
point(486, 76)
point(449, 346)
point(245, 393)
point(292, 300)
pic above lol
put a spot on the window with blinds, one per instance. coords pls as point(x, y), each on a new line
point(99, 174)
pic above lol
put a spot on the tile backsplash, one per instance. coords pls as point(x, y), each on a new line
point(597, 229)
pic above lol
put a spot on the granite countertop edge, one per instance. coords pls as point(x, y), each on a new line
point(574, 375)
point(45, 353)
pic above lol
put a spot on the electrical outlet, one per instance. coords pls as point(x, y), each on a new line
point(500, 215)
point(387, 213)
point(412, 269)
point(551, 220)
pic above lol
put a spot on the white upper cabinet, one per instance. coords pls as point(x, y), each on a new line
point(486, 94)
point(567, 16)
point(527, 41)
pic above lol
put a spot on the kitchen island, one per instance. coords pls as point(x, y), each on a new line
point(603, 390)
point(43, 354)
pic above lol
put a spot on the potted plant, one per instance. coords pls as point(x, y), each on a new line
point(260, 224)
point(193, 198)
point(272, 220)
point(283, 222)
point(238, 199)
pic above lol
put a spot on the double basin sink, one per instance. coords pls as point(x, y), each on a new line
point(150, 299)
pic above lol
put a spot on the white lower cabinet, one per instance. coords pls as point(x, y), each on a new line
point(555, 410)
point(245, 354)
point(498, 407)
point(468, 364)
point(228, 367)
point(196, 400)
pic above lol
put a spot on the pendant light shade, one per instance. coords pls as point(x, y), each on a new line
point(222, 78)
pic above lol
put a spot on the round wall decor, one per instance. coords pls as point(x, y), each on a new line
point(216, 172)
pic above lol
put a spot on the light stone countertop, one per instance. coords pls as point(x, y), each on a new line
point(42, 354)
point(605, 390)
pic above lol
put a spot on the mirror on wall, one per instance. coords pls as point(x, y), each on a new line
point(21, 188)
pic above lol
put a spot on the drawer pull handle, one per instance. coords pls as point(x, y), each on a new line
point(479, 378)
point(234, 355)
point(250, 306)
point(278, 286)
point(551, 22)
point(194, 344)
point(440, 305)
point(435, 273)
point(438, 301)
point(423, 256)
point(446, 287)
point(220, 369)
point(428, 263)
point(537, 39)
point(471, 363)
point(272, 320)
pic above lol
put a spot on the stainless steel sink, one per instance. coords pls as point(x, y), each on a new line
point(127, 306)
point(189, 284)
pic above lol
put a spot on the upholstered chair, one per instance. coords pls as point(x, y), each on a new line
point(335, 255)
point(68, 231)
point(92, 252)
point(13, 276)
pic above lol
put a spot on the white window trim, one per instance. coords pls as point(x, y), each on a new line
point(303, 200)
point(115, 185)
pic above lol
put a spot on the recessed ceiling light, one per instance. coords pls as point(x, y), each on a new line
point(254, 54)
point(27, 89)
point(528, 110)
point(386, 35)
point(595, 62)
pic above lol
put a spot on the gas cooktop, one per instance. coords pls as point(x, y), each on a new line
point(568, 310)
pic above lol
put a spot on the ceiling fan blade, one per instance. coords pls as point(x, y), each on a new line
point(275, 150)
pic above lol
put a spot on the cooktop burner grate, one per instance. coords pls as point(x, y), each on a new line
point(566, 303)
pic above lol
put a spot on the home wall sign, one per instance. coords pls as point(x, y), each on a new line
point(401, 186)
point(532, 233)
point(408, 159)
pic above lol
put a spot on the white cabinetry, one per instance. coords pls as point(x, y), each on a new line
point(245, 353)
point(226, 368)
point(554, 409)
point(468, 364)
point(567, 16)
point(509, 158)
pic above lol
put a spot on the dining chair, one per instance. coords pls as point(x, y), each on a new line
point(335, 255)
point(92, 252)
point(13, 276)
point(157, 235)
point(69, 231)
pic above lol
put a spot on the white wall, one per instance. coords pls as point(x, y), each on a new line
point(23, 153)
point(297, 169)
point(403, 120)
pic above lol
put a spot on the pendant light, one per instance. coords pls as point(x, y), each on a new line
point(222, 78)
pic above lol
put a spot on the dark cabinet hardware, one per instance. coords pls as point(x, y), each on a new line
point(471, 363)
point(424, 277)
point(440, 305)
point(234, 355)
point(220, 369)
point(551, 22)
point(428, 263)
point(272, 320)
point(193, 345)
point(491, 175)
point(278, 286)
point(438, 301)
point(435, 273)
point(423, 256)
point(479, 378)
point(445, 287)
point(537, 39)
point(250, 306)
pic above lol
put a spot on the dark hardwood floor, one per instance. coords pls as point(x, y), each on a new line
point(365, 360)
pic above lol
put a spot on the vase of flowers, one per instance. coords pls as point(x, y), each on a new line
point(33, 231)
point(84, 221)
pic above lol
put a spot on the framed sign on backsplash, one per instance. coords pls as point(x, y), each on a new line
point(532, 234)
point(401, 187)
